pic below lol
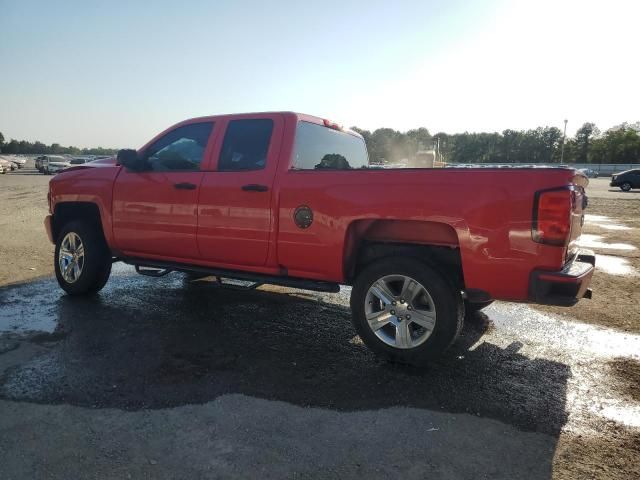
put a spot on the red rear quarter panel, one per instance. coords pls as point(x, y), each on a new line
point(490, 211)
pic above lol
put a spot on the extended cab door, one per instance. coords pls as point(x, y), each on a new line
point(235, 219)
point(155, 208)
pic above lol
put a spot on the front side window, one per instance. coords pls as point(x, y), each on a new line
point(246, 144)
point(322, 148)
point(181, 149)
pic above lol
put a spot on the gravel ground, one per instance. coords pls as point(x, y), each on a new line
point(166, 378)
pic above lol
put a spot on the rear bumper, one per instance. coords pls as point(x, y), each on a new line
point(47, 227)
point(566, 287)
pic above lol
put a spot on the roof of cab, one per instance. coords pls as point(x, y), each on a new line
point(298, 116)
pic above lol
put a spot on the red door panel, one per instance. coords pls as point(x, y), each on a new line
point(155, 205)
point(234, 212)
point(151, 215)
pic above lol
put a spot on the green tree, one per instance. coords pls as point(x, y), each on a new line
point(583, 140)
point(621, 145)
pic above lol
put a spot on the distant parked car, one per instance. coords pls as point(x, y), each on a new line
point(52, 164)
point(626, 180)
point(16, 162)
point(5, 166)
point(589, 172)
point(39, 163)
point(81, 160)
point(8, 164)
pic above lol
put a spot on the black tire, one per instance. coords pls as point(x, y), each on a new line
point(476, 306)
point(625, 187)
point(447, 300)
point(96, 266)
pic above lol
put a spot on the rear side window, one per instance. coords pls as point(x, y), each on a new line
point(181, 149)
point(246, 144)
point(321, 148)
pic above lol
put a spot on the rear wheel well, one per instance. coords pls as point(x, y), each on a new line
point(444, 259)
point(68, 211)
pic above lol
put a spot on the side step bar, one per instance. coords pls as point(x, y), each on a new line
point(152, 272)
point(156, 268)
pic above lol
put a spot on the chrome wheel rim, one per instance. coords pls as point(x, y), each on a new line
point(71, 257)
point(400, 311)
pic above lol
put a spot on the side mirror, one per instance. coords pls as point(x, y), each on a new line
point(128, 158)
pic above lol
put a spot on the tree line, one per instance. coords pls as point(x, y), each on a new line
point(39, 148)
point(620, 144)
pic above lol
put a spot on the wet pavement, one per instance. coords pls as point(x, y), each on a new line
point(163, 344)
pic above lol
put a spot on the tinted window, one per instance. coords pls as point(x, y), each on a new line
point(180, 149)
point(321, 148)
point(246, 144)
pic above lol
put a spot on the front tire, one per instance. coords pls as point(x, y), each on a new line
point(406, 311)
point(625, 187)
point(82, 259)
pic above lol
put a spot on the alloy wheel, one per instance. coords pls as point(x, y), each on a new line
point(71, 257)
point(400, 311)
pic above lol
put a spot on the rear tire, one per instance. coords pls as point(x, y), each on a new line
point(82, 259)
point(420, 319)
point(625, 187)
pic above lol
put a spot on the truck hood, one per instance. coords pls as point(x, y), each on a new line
point(102, 163)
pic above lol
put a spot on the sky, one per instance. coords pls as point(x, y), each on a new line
point(115, 73)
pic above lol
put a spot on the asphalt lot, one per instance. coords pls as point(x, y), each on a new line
point(167, 378)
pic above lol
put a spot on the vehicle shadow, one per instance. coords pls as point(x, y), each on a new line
point(617, 190)
point(145, 343)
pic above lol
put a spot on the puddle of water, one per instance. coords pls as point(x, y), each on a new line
point(595, 241)
point(596, 218)
point(613, 226)
point(627, 415)
point(551, 334)
point(614, 265)
point(20, 314)
point(605, 222)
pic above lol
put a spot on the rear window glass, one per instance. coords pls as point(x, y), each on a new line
point(246, 144)
point(320, 148)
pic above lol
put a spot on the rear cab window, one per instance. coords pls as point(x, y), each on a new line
point(322, 148)
point(246, 145)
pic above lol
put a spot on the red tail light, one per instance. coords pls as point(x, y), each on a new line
point(552, 216)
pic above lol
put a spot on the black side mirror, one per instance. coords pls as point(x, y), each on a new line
point(128, 158)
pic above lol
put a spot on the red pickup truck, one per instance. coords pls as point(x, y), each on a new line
point(290, 199)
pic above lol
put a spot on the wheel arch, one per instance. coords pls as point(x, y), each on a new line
point(435, 243)
point(65, 212)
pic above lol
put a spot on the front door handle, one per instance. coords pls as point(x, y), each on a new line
point(253, 187)
point(184, 186)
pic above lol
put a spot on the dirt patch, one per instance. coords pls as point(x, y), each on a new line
point(24, 248)
point(627, 371)
point(613, 455)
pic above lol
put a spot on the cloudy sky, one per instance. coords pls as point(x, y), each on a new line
point(115, 73)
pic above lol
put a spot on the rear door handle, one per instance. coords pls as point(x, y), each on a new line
point(184, 186)
point(253, 187)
